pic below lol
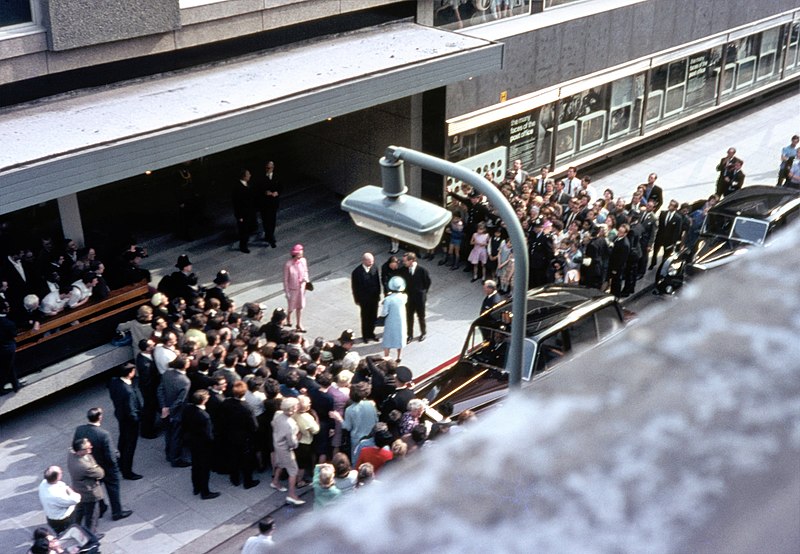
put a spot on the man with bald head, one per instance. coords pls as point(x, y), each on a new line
point(366, 285)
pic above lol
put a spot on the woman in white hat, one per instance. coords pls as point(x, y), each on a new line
point(394, 312)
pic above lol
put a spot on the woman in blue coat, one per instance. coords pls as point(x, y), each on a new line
point(394, 312)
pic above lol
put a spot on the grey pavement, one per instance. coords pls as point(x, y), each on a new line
point(167, 518)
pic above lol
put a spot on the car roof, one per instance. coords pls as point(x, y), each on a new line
point(547, 306)
point(758, 202)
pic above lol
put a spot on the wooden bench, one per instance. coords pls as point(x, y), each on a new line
point(79, 329)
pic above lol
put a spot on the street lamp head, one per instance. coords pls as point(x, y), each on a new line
point(404, 218)
point(391, 212)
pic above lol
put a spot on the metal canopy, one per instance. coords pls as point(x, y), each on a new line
point(68, 144)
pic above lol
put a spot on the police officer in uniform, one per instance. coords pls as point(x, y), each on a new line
point(221, 282)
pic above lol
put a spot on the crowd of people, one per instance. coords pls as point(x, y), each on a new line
point(238, 394)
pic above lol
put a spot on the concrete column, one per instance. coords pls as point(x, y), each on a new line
point(414, 181)
point(425, 12)
point(70, 213)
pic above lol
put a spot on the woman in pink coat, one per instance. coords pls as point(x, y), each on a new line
point(295, 277)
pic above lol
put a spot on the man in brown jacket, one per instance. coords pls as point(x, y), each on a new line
point(86, 474)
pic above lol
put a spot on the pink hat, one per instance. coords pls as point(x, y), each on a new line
point(296, 249)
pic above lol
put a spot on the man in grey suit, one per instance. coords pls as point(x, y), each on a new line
point(172, 394)
point(106, 457)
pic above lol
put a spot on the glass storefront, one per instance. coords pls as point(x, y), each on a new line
point(458, 14)
point(582, 123)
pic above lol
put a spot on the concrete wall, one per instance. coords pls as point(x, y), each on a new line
point(75, 23)
point(561, 52)
point(342, 154)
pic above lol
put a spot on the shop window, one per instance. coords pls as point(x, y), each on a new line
point(701, 78)
point(14, 12)
point(768, 53)
point(582, 122)
point(625, 111)
point(675, 95)
point(457, 14)
point(792, 62)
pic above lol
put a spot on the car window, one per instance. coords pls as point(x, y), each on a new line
point(489, 347)
point(551, 351)
point(583, 333)
point(749, 230)
point(609, 322)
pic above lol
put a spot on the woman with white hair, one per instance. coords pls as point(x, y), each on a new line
point(284, 437)
point(394, 313)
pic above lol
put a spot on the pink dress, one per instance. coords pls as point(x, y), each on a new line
point(295, 277)
point(479, 253)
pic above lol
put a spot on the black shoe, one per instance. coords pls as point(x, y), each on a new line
point(443, 262)
point(473, 279)
point(195, 492)
point(251, 484)
point(409, 339)
point(132, 476)
point(181, 463)
point(273, 245)
point(235, 482)
point(467, 269)
point(244, 249)
point(99, 536)
point(103, 509)
point(209, 495)
point(454, 267)
point(122, 515)
point(422, 337)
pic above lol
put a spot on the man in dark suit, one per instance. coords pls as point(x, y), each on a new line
point(182, 283)
point(221, 282)
point(239, 435)
point(106, 457)
point(732, 179)
point(492, 297)
point(148, 380)
point(418, 281)
point(199, 437)
point(597, 253)
point(724, 165)
point(128, 403)
point(268, 189)
point(244, 209)
point(8, 349)
point(618, 261)
point(652, 191)
point(670, 224)
point(172, 393)
point(366, 285)
point(541, 254)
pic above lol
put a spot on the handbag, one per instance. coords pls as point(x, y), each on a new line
point(380, 321)
point(309, 285)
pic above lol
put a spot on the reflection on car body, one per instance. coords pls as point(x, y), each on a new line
point(561, 320)
point(747, 218)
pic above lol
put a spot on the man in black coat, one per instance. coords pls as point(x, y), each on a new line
point(618, 261)
point(128, 403)
point(732, 179)
point(724, 165)
point(541, 254)
point(148, 380)
point(221, 282)
point(492, 297)
point(632, 267)
point(244, 209)
point(649, 223)
point(418, 282)
point(239, 436)
point(596, 257)
point(199, 437)
point(106, 457)
point(8, 349)
point(670, 227)
point(366, 285)
point(268, 189)
point(172, 393)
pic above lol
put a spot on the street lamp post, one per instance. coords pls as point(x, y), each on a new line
point(390, 213)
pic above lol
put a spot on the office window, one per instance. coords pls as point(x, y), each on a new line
point(457, 14)
point(13, 12)
point(768, 53)
point(792, 62)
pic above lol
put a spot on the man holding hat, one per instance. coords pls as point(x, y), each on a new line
point(221, 282)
